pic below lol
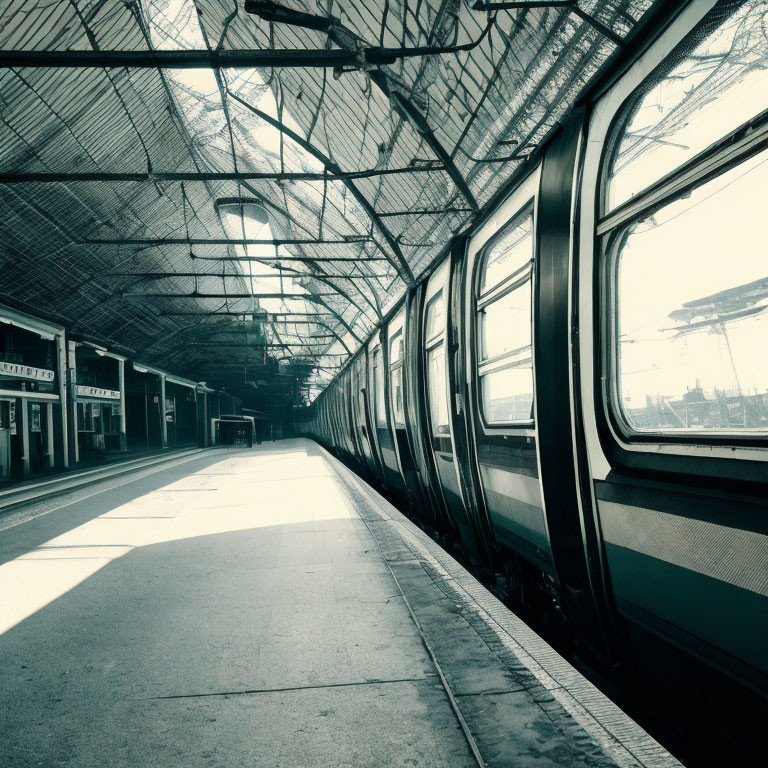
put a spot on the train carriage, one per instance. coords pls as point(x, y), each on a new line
point(575, 391)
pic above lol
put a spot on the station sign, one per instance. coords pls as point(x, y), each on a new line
point(19, 371)
point(102, 394)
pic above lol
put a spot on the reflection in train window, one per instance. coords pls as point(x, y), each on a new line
point(436, 362)
point(710, 91)
point(508, 395)
point(509, 253)
point(692, 309)
point(396, 378)
point(504, 331)
point(435, 317)
point(505, 325)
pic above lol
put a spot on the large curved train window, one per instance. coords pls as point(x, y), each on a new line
point(396, 378)
point(684, 238)
point(436, 365)
point(504, 332)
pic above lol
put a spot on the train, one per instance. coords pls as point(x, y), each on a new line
point(575, 396)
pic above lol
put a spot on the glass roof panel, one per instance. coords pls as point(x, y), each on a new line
point(349, 162)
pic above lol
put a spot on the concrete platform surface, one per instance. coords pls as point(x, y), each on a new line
point(265, 607)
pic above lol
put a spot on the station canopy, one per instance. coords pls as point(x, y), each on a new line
point(244, 189)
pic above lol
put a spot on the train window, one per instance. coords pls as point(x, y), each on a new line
point(508, 395)
point(505, 324)
point(435, 317)
point(504, 331)
point(378, 377)
point(685, 265)
point(509, 253)
point(692, 309)
point(710, 90)
point(436, 366)
point(438, 391)
point(396, 378)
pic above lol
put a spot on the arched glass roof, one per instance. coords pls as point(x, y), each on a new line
point(208, 183)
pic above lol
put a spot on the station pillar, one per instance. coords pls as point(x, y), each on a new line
point(163, 422)
point(121, 387)
point(64, 399)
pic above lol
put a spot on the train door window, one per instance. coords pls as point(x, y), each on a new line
point(378, 376)
point(396, 378)
point(361, 392)
point(360, 407)
point(504, 330)
point(685, 269)
point(362, 389)
point(436, 366)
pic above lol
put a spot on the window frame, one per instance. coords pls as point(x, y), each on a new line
point(517, 279)
point(731, 456)
point(613, 228)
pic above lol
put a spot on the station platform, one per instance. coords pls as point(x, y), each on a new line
point(266, 607)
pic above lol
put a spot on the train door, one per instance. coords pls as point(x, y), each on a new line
point(361, 409)
point(331, 417)
point(372, 378)
point(355, 436)
point(351, 433)
point(345, 434)
point(330, 400)
point(384, 439)
point(443, 454)
point(417, 416)
point(398, 345)
point(341, 438)
point(338, 413)
point(499, 343)
point(673, 379)
point(326, 419)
